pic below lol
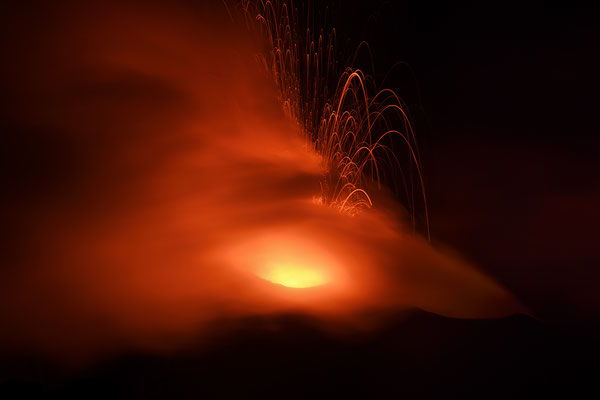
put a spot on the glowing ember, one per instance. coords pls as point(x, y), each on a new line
point(295, 276)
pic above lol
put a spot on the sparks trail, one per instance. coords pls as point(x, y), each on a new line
point(363, 134)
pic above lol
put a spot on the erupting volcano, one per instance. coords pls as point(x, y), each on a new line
point(296, 199)
point(212, 164)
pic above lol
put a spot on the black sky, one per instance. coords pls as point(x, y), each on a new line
point(505, 97)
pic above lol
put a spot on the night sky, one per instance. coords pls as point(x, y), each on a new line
point(505, 96)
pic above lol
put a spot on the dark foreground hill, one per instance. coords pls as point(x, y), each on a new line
point(416, 356)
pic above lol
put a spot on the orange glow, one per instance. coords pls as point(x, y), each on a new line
point(288, 259)
point(295, 276)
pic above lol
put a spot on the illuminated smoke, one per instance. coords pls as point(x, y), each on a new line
point(155, 181)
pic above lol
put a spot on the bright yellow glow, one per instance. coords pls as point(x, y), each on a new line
point(295, 276)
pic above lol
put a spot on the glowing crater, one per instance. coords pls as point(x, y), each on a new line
point(295, 276)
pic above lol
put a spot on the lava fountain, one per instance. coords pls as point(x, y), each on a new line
point(160, 180)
